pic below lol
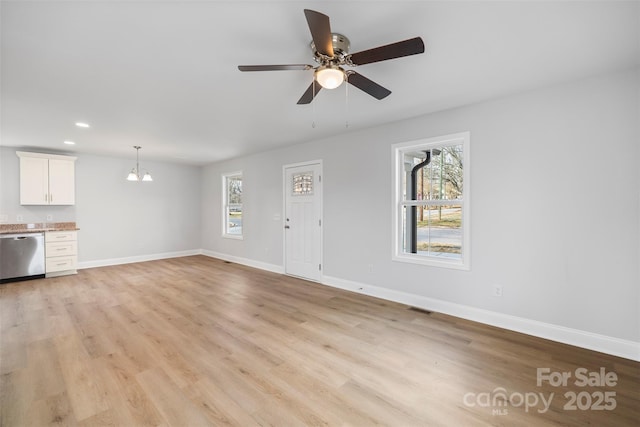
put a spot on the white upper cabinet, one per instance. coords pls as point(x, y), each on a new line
point(46, 179)
point(62, 183)
point(34, 181)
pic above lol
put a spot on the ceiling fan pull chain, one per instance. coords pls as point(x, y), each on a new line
point(346, 100)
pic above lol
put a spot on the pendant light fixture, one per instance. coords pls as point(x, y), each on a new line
point(134, 175)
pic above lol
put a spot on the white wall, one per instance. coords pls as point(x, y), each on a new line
point(555, 207)
point(119, 220)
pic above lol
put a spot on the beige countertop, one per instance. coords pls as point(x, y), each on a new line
point(37, 227)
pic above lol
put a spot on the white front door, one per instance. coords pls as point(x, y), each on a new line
point(303, 220)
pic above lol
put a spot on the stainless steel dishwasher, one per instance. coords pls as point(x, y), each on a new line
point(21, 256)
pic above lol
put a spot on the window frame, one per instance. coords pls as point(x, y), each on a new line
point(398, 151)
point(226, 205)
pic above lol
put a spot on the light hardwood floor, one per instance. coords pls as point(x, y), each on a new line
point(196, 341)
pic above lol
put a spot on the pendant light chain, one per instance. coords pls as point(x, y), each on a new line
point(137, 147)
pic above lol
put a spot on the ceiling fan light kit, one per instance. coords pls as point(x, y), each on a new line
point(329, 76)
point(331, 52)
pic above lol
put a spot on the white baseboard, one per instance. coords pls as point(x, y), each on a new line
point(245, 261)
point(138, 258)
point(602, 343)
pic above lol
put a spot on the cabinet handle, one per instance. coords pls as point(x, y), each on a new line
point(45, 197)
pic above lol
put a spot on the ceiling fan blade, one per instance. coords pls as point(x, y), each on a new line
point(394, 50)
point(368, 86)
point(287, 67)
point(320, 31)
point(310, 93)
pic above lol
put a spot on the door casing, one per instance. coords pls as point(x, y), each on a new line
point(315, 273)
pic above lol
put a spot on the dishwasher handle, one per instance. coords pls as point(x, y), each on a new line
point(22, 236)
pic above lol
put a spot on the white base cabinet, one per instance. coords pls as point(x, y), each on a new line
point(61, 253)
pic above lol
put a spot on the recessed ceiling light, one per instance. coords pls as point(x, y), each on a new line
point(70, 143)
point(82, 125)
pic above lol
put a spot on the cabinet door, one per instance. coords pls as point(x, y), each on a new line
point(34, 181)
point(61, 182)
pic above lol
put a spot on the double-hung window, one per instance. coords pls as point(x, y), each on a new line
point(431, 208)
point(232, 205)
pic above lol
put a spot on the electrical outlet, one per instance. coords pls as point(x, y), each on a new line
point(19, 218)
point(4, 218)
point(370, 268)
point(49, 217)
point(497, 290)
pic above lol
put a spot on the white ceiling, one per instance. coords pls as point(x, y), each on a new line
point(163, 74)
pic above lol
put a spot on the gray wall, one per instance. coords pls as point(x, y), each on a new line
point(118, 219)
point(555, 206)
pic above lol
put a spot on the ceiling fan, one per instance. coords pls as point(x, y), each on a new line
point(331, 52)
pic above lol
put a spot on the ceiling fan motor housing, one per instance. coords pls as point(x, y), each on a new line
point(341, 46)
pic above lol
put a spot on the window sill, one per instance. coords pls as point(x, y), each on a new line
point(232, 236)
point(433, 262)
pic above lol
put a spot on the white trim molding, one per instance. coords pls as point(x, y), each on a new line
point(319, 199)
point(402, 200)
point(244, 261)
point(137, 258)
point(165, 255)
point(226, 205)
point(45, 155)
point(602, 343)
